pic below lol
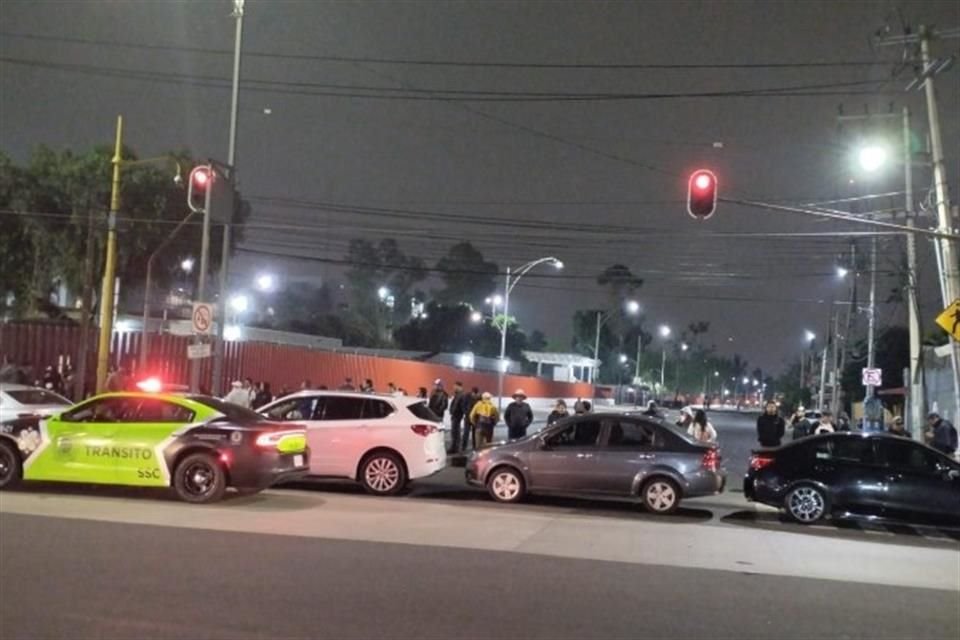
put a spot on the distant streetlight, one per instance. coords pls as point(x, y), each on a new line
point(810, 336)
point(231, 333)
point(872, 157)
point(716, 374)
point(383, 292)
point(187, 265)
point(633, 307)
point(495, 300)
point(664, 331)
point(623, 358)
point(684, 346)
point(265, 282)
point(842, 272)
point(476, 317)
point(746, 381)
point(239, 303)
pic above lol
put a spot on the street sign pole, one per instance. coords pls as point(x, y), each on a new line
point(204, 260)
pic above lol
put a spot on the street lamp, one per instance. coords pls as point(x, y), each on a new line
point(631, 307)
point(187, 265)
point(623, 358)
point(239, 303)
point(383, 292)
point(265, 282)
point(872, 157)
point(476, 317)
point(509, 284)
point(664, 331)
point(842, 272)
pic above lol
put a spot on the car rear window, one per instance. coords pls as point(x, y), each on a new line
point(233, 413)
point(422, 411)
point(37, 397)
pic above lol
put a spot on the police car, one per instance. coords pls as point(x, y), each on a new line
point(196, 444)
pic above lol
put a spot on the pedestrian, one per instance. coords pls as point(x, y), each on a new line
point(843, 421)
point(651, 409)
point(347, 384)
point(559, 412)
point(117, 381)
point(456, 417)
point(263, 396)
point(579, 408)
point(238, 395)
point(799, 423)
point(469, 401)
point(701, 429)
point(897, 428)
point(306, 385)
point(284, 391)
point(439, 400)
point(770, 426)
point(367, 386)
point(422, 393)
point(393, 391)
point(941, 434)
point(484, 417)
point(686, 418)
point(51, 380)
point(825, 425)
point(518, 416)
point(9, 371)
point(251, 390)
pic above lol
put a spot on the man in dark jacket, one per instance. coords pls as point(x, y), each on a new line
point(770, 426)
point(467, 403)
point(456, 416)
point(439, 400)
point(942, 435)
point(518, 415)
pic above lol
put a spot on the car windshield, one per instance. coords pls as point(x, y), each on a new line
point(231, 412)
point(38, 397)
point(422, 411)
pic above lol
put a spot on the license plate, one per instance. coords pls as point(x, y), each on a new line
point(298, 461)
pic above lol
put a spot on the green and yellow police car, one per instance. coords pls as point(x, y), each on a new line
point(196, 444)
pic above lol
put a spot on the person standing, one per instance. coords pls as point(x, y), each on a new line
point(469, 401)
point(263, 396)
point(799, 423)
point(117, 381)
point(941, 435)
point(701, 429)
point(484, 418)
point(559, 412)
point(825, 425)
point(238, 395)
point(347, 385)
point(367, 386)
point(770, 426)
point(518, 415)
point(439, 400)
point(686, 418)
point(897, 428)
point(456, 417)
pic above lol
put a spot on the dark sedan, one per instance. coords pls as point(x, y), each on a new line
point(604, 456)
point(855, 473)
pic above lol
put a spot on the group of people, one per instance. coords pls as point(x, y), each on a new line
point(246, 393)
point(695, 423)
point(474, 416)
point(771, 427)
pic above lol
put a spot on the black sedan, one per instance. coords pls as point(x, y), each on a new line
point(855, 473)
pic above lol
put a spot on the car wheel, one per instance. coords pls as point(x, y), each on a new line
point(806, 504)
point(11, 468)
point(505, 484)
point(199, 478)
point(661, 496)
point(382, 474)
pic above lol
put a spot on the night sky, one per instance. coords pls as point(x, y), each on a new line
point(585, 160)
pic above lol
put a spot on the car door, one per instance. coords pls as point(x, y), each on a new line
point(567, 460)
point(137, 441)
point(340, 432)
point(308, 411)
point(80, 442)
point(848, 466)
point(628, 448)
point(918, 480)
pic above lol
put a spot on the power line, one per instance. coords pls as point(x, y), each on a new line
point(454, 63)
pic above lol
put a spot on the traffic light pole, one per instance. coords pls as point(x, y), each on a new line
point(202, 284)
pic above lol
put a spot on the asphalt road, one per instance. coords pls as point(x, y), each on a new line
point(84, 579)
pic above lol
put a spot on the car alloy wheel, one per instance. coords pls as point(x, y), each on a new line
point(383, 474)
point(806, 504)
point(198, 478)
point(661, 496)
point(9, 465)
point(506, 485)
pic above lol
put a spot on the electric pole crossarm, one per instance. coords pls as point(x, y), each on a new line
point(846, 217)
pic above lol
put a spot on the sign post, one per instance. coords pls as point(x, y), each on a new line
point(950, 320)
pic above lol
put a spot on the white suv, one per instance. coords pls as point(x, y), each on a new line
point(380, 441)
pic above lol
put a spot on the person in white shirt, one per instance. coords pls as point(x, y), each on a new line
point(238, 395)
point(701, 429)
point(826, 424)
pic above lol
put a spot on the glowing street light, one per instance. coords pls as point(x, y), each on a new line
point(684, 346)
point(664, 331)
point(476, 317)
point(623, 358)
point(810, 336)
point(746, 381)
point(383, 292)
point(239, 303)
point(187, 265)
point(265, 282)
point(842, 272)
point(633, 307)
point(872, 157)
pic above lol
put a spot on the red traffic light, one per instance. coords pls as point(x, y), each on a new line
point(702, 194)
point(200, 179)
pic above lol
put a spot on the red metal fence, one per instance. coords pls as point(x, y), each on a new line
point(280, 365)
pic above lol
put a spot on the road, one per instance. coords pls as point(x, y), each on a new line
point(324, 560)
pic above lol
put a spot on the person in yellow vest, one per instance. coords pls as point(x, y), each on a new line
point(484, 417)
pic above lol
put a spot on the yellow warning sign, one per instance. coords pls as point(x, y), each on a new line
point(950, 320)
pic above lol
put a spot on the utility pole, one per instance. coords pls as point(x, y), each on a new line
point(204, 260)
point(915, 380)
point(639, 353)
point(872, 312)
point(110, 267)
point(218, 344)
point(848, 322)
point(835, 386)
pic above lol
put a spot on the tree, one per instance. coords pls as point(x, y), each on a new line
point(891, 355)
point(376, 266)
point(448, 329)
point(467, 277)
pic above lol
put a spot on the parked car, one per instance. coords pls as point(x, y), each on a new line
point(869, 474)
point(627, 456)
point(195, 444)
point(23, 401)
point(380, 441)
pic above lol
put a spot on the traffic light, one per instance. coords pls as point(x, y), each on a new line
point(702, 194)
point(200, 182)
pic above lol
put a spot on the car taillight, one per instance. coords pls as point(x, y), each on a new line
point(711, 460)
point(274, 438)
point(759, 461)
point(423, 429)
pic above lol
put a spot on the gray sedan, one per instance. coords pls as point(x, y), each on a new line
point(604, 456)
